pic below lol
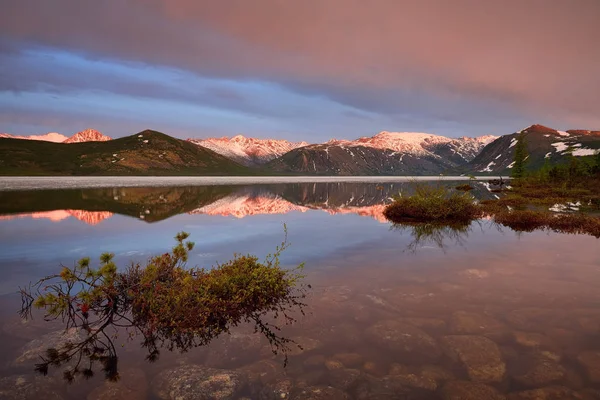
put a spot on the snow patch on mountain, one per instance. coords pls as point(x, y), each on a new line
point(418, 144)
point(49, 137)
point(88, 135)
point(560, 146)
point(584, 152)
point(248, 151)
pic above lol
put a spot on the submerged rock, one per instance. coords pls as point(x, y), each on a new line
point(21, 387)
point(198, 382)
point(315, 361)
point(537, 370)
point(466, 390)
point(132, 385)
point(427, 324)
point(280, 389)
point(303, 344)
point(229, 349)
point(311, 378)
point(469, 323)
point(535, 319)
point(590, 360)
point(547, 393)
point(374, 368)
point(30, 329)
point(344, 378)
point(408, 386)
point(34, 349)
point(437, 373)
point(413, 381)
point(479, 355)
point(344, 333)
point(350, 360)
point(321, 393)
point(404, 339)
point(533, 340)
point(263, 371)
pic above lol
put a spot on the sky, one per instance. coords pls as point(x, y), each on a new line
point(298, 70)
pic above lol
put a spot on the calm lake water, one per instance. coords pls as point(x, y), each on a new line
point(477, 314)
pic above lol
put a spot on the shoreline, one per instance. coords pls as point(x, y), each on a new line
point(17, 183)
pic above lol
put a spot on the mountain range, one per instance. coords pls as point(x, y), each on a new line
point(145, 153)
point(543, 144)
point(87, 135)
point(248, 151)
point(386, 153)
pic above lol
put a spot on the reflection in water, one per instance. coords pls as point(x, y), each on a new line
point(439, 235)
point(89, 217)
point(504, 317)
point(168, 304)
point(155, 204)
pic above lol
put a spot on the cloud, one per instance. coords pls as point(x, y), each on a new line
point(466, 60)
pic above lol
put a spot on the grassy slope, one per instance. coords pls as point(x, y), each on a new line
point(539, 140)
point(160, 155)
point(359, 160)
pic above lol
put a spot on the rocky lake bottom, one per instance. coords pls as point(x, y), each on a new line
point(482, 314)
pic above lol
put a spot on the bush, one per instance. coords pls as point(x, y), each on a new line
point(169, 305)
point(433, 204)
point(465, 188)
point(528, 221)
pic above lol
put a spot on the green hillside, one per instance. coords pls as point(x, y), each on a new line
point(145, 153)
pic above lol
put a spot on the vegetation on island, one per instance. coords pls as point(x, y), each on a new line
point(165, 303)
point(529, 203)
point(433, 204)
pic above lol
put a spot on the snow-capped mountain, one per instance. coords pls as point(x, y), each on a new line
point(387, 153)
point(420, 144)
point(248, 151)
point(543, 144)
point(88, 135)
point(448, 152)
point(49, 137)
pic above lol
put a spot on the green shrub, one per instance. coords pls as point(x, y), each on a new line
point(432, 204)
point(465, 188)
point(170, 305)
point(528, 221)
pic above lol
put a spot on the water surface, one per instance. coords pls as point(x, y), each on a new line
point(526, 305)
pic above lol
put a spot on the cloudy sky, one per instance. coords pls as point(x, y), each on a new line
point(302, 70)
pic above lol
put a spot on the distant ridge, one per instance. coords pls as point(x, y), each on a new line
point(543, 144)
point(248, 151)
point(386, 153)
point(87, 135)
point(49, 137)
point(145, 153)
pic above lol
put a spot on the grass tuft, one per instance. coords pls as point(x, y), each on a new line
point(433, 204)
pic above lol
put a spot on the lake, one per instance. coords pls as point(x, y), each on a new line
point(393, 313)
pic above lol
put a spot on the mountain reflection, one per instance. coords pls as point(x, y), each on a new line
point(89, 217)
point(92, 206)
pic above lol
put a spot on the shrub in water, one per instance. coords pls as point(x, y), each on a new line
point(169, 305)
point(433, 204)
